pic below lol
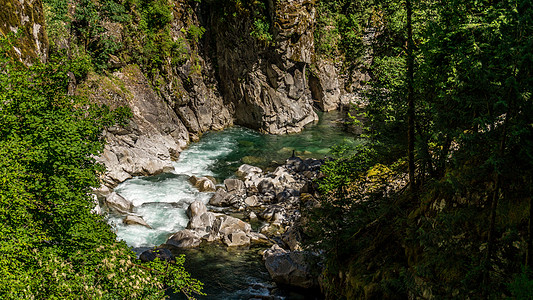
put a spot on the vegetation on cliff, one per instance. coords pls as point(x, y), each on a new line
point(460, 225)
point(51, 245)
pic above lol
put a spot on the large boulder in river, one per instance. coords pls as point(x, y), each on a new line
point(196, 208)
point(185, 238)
point(247, 170)
point(135, 220)
point(220, 198)
point(236, 239)
point(199, 217)
point(295, 268)
point(203, 222)
point(235, 186)
point(203, 184)
point(226, 225)
point(118, 203)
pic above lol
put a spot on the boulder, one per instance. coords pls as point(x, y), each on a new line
point(97, 210)
point(259, 238)
point(294, 268)
point(251, 201)
point(292, 238)
point(228, 224)
point(161, 253)
point(266, 185)
point(247, 170)
point(203, 222)
point(235, 186)
point(219, 198)
point(196, 208)
point(185, 238)
point(236, 239)
point(118, 203)
point(205, 184)
point(135, 220)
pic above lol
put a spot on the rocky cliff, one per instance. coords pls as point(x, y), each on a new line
point(27, 19)
point(185, 68)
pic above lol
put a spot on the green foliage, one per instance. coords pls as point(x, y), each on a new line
point(472, 85)
point(195, 33)
point(51, 245)
point(522, 285)
point(345, 166)
point(261, 31)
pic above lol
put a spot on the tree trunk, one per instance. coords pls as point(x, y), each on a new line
point(410, 100)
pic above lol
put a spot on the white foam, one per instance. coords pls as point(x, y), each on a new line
point(162, 200)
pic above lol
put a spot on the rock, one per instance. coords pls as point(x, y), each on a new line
point(274, 97)
point(205, 184)
point(195, 209)
point(292, 238)
point(102, 192)
point(252, 216)
point(259, 238)
point(97, 210)
point(203, 222)
point(247, 170)
point(251, 201)
point(235, 186)
point(324, 85)
point(220, 198)
point(295, 268)
point(269, 212)
point(273, 229)
point(27, 18)
point(266, 185)
point(236, 239)
point(161, 253)
point(135, 220)
point(229, 224)
point(185, 238)
point(118, 203)
point(193, 179)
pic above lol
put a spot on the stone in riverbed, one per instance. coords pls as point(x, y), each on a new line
point(246, 170)
point(236, 239)
point(251, 201)
point(224, 199)
point(203, 184)
point(196, 208)
point(295, 268)
point(118, 203)
point(219, 198)
point(135, 220)
point(235, 186)
point(202, 222)
point(227, 224)
point(185, 238)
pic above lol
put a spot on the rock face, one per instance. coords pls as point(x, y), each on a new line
point(26, 16)
point(265, 83)
point(324, 84)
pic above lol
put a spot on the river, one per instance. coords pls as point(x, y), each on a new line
point(162, 200)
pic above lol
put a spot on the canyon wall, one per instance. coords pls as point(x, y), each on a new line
point(228, 70)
